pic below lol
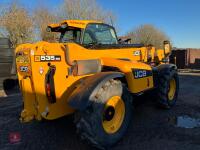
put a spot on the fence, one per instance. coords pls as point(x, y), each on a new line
point(6, 57)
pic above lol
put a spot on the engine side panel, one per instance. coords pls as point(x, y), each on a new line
point(41, 56)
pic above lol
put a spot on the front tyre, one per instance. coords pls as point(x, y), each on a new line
point(105, 121)
point(168, 87)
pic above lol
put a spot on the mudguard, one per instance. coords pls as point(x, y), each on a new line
point(161, 69)
point(80, 97)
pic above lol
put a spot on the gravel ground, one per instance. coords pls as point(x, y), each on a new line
point(151, 128)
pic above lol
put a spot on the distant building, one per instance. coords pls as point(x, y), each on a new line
point(186, 58)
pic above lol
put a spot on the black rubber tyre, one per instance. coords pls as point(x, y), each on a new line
point(89, 122)
point(9, 84)
point(164, 78)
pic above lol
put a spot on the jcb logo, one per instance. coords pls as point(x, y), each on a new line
point(139, 73)
point(24, 69)
point(47, 58)
point(136, 53)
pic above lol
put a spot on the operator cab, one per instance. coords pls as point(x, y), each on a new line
point(92, 34)
point(89, 34)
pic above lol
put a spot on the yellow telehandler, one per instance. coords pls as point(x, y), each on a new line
point(93, 76)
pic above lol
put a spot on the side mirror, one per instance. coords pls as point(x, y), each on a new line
point(48, 29)
point(167, 48)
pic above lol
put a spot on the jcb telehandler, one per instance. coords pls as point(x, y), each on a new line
point(89, 73)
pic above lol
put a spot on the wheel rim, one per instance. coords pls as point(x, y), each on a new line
point(113, 114)
point(172, 89)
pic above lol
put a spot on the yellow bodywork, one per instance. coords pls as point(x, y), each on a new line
point(32, 82)
point(75, 23)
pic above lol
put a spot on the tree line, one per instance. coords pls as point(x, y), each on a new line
point(21, 26)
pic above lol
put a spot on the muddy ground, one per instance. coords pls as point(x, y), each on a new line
point(151, 128)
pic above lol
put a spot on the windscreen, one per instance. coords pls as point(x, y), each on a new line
point(99, 34)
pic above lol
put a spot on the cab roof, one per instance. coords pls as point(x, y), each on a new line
point(74, 23)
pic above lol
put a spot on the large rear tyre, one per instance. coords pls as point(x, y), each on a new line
point(168, 87)
point(105, 121)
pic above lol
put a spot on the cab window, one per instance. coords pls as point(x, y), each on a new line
point(70, 35)
point(99, 34)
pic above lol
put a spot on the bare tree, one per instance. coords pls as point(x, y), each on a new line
point(42, 17)
point(148, 34)
point(16, 24)
point(20, 27)
point(85, 10)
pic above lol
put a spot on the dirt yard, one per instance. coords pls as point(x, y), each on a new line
point(151, 128)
